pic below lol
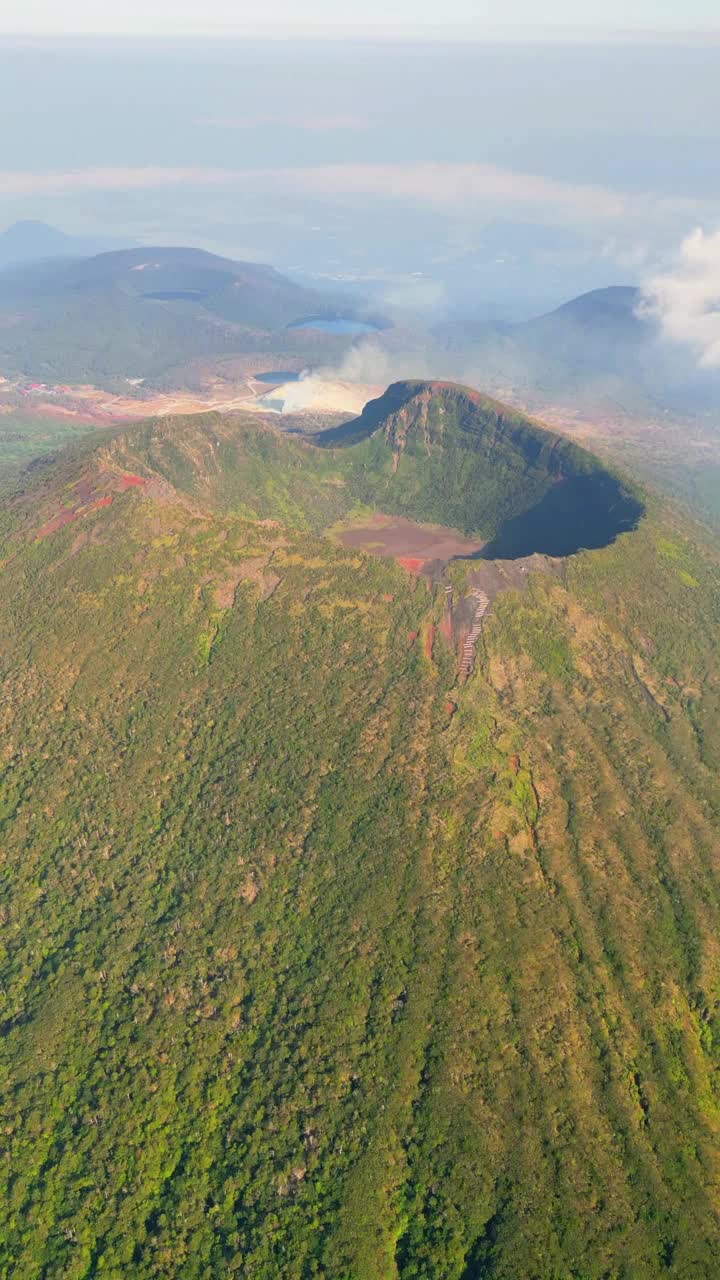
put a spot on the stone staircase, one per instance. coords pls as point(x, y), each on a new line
point(482, 603)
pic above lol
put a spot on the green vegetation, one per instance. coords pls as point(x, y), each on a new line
point(686, 466)
point(448, 455)
point(140, 312)
point(25, 437)
point(303, 975)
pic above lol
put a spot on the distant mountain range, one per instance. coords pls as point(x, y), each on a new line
point(138, 312)
point(146, 313)
point(596, 328)
point(595, 349)
point(598, 337)
point(31, 241)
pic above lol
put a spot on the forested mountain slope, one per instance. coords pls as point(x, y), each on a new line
point(315, 960)
point(139, 312)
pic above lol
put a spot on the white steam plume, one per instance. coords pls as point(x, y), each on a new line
point(685, 300)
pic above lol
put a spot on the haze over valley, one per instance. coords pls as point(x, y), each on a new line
point(130, 333)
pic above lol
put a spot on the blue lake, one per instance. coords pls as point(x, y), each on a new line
point(277, 376)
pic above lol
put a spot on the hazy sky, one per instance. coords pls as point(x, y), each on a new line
point(176, 16)
point(510, 174)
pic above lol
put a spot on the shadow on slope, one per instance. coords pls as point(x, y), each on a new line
point(582, 512)
point(446, 454)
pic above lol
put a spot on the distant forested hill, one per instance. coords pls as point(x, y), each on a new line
point(138, 312)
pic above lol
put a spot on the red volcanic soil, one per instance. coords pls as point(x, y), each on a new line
point(410, 563)
point(450, 708)
point(57, 522)
point(412, 637)
point(48, 410)
point(89, 494)
point(83, 508)
point(429, 641)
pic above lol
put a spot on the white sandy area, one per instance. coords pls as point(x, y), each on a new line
point(317, 394)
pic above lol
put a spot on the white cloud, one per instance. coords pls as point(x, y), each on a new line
point(463, 189)
point(468, 195)
point(686, 299)
point(14, 183)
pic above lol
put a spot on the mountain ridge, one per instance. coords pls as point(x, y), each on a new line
point(138, 312)
point(331, 962)
point(429, 451)
point(434, 429)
